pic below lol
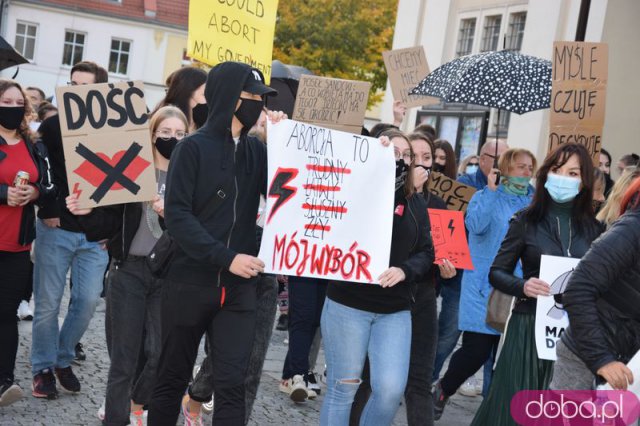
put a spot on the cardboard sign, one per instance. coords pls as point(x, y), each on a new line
point(106, 141)
point(320, 220)
point(231, 30)
point(457, 195)
point(406, 68)
point(331, 102)
point(578, 95)
point(551, 318)
point(449, 238)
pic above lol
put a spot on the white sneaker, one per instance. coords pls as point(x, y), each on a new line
point(24, 311)
point(101, 410)
point(207, 407)
point(295, 388)
point(468, 388)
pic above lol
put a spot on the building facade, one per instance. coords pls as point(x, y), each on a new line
point(133, 39)
point(451, 28)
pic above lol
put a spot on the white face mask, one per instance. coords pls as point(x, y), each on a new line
point(562, 189)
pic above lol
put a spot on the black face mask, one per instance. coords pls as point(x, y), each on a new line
point(597, 205)
point(249, 112)
point(437, 167)
point(401, 173)
point(199, 115)
point(166, 146)
point(11, 117)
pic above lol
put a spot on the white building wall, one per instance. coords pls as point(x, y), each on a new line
point(146, 57)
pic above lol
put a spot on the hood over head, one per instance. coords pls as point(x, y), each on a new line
point(222, 91)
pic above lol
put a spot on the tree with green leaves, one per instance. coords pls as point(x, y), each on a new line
point(337, 38)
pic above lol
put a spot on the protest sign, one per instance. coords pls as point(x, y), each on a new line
point(406, 68)
point(449, 238)
point(233, 30)
point(551, 318)
point(454, 193)
point(320, 219)
point(578, 95)
point(106, 141)
point(332, 102)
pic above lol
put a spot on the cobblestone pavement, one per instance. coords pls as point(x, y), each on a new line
point(271, 407)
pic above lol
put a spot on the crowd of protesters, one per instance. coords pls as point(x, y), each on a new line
point(381, 342)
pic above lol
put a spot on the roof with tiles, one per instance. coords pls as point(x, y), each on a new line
point(171, 13)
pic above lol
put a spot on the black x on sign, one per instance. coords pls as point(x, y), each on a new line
point(102, 174)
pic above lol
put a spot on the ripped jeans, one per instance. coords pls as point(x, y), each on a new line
point(349, 336)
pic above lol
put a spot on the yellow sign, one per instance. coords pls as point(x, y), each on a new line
point(233, 30)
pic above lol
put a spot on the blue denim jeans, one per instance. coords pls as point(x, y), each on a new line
point(349, 336)
point(56, 251)
point(448, 332)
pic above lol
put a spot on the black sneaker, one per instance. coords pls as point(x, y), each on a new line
point(9, 393)
point(80, 355)
point(312, 382)
point(44, 385)
point(283, 322)
point(68, 380)
point(439, 401)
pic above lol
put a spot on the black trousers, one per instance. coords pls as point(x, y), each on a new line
point(16, 272)
point(188, 312)
point(424, 341)
point(476, 349)
point(306, 300)
point(201, 388)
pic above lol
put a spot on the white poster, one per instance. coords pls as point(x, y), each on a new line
point(329, 210)
point(551, 318)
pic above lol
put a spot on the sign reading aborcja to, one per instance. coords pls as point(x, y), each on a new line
point(329, 210)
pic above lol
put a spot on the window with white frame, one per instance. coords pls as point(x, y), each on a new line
point(26, 39)
point(73, 47)
point(491, 33)
point(515, 32)
point(119, 56)
point(465, 36)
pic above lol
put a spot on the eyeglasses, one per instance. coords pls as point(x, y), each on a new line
point(490, 156)
point(473, 164)
point(167, 134)
point(407, 156)
point(71, 83)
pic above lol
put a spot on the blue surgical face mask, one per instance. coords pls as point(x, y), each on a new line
point(471, 169)
point(562, 189)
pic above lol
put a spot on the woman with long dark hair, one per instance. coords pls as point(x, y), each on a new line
point(25, 180)
point(185, 90)
point(602, 299)
point(444, 160)
point(559, 222)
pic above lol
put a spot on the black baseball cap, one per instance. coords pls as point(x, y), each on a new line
point(255, 84)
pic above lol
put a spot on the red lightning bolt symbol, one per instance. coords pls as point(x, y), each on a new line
point(77, 190)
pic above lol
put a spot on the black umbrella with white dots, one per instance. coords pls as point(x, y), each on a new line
point(506, 80)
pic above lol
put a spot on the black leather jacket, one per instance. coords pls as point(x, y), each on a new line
point(45, 186)
point(603, 297)
point(527, 242)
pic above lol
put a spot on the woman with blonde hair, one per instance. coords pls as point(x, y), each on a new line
point(469, 165)
point(611, 209)
point(134, 294)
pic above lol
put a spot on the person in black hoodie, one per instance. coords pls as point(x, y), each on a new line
point(360, 320)
point(17, 215)
point(214, 184)
point(602, 299)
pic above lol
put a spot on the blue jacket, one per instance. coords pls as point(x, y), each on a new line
point(487, 222)
point(478, 180)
